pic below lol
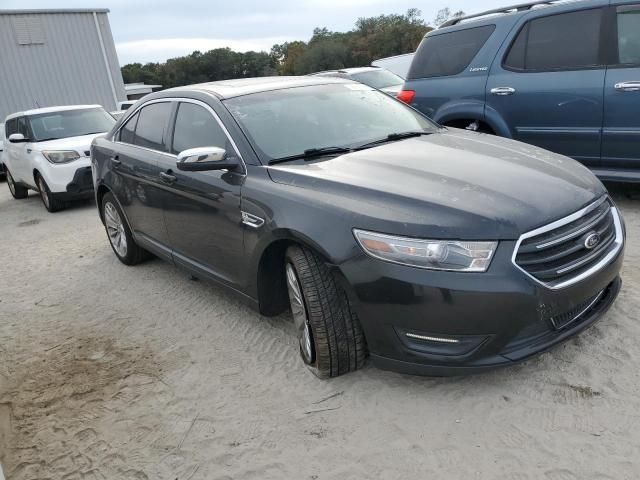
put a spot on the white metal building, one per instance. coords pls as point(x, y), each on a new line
point(57, 57)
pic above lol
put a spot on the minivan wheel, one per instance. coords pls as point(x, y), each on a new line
point(49, 201)
point(17, 191)
point(119, 234)
point(329, 333)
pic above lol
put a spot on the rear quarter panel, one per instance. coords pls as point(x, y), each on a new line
point(463, 95)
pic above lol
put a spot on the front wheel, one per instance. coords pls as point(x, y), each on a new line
point(329, 333)
point(119, 233)
point(51, 203)
point(17, 191)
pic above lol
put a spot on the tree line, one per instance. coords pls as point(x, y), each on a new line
point(370, 39)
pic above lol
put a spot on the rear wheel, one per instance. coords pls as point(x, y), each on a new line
point(18, 191)
point(119, 234)
point(329, 333)
point(50, 202)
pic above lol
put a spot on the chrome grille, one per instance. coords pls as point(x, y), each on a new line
point(573, 248)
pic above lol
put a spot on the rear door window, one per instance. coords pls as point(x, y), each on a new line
point(629, 35)
point(448, 53)
point(151, 129)
point(567, 41)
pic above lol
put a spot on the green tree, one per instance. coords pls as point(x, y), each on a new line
point(370, 39)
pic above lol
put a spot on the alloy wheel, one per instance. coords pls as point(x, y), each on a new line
point(300, 319)
point(115, 229)
point(43, 192)
point(12, 185)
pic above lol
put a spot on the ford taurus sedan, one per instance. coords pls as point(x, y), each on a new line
point(432, 250)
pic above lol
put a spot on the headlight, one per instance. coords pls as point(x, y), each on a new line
point(454, 255)
point(60, 156)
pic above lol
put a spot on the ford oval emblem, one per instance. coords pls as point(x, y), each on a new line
point(592, 241)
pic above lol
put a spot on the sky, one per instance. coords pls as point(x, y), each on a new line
point(154, 30)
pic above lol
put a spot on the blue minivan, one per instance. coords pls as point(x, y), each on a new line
point(562, 75)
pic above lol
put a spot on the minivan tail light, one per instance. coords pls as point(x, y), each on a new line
point(406, 96)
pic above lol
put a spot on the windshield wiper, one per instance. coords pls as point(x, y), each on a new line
point(312, 153)
point(393, 137)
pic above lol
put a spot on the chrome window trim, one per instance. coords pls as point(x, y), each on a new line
point(184, 100)
point(604, 261)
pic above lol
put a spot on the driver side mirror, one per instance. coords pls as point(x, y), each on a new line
point(206, 158)
point(17, 138)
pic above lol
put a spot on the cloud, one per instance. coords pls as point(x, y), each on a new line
point(158, 50)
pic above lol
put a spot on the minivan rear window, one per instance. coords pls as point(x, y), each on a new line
point(448, 53)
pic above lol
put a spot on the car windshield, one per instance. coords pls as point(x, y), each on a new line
point(288, 122)
point(378, 78)
point(70, 123)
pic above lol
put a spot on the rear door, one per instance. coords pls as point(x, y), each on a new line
point(621, 134)
point(202, 209)
point(547, 82)
point(141, 144)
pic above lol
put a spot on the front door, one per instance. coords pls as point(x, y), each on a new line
point(19, 153)
point(621, 133)
point(547, 83)
point(202, 209)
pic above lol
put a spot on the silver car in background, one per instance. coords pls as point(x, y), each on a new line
point(378, 78)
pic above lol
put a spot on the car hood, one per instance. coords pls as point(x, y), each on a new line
point(454, 184)
point(81, 144)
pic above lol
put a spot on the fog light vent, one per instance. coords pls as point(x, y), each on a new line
point(432, 339)
point(436, 344)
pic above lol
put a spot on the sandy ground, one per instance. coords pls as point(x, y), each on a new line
point(110, 372)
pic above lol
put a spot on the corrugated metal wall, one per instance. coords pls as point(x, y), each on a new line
point(64, 66)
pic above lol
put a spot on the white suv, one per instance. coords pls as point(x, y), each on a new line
point(48, 150)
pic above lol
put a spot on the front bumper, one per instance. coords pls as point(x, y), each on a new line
point(63, 178)
point(80, 186)
point(491, 319)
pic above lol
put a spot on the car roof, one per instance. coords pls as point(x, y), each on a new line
point(245, 86)
point(496, 15)
point(348, 71)
point(38, 111)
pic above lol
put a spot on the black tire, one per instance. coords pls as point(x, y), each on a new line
point(18, 191)
point(50, 202)
point(134, 254)
point(337, 338)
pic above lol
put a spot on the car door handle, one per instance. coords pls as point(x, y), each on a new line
point(628, 86)
point(503, 91)
point(167, 177)
point(115, 161)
